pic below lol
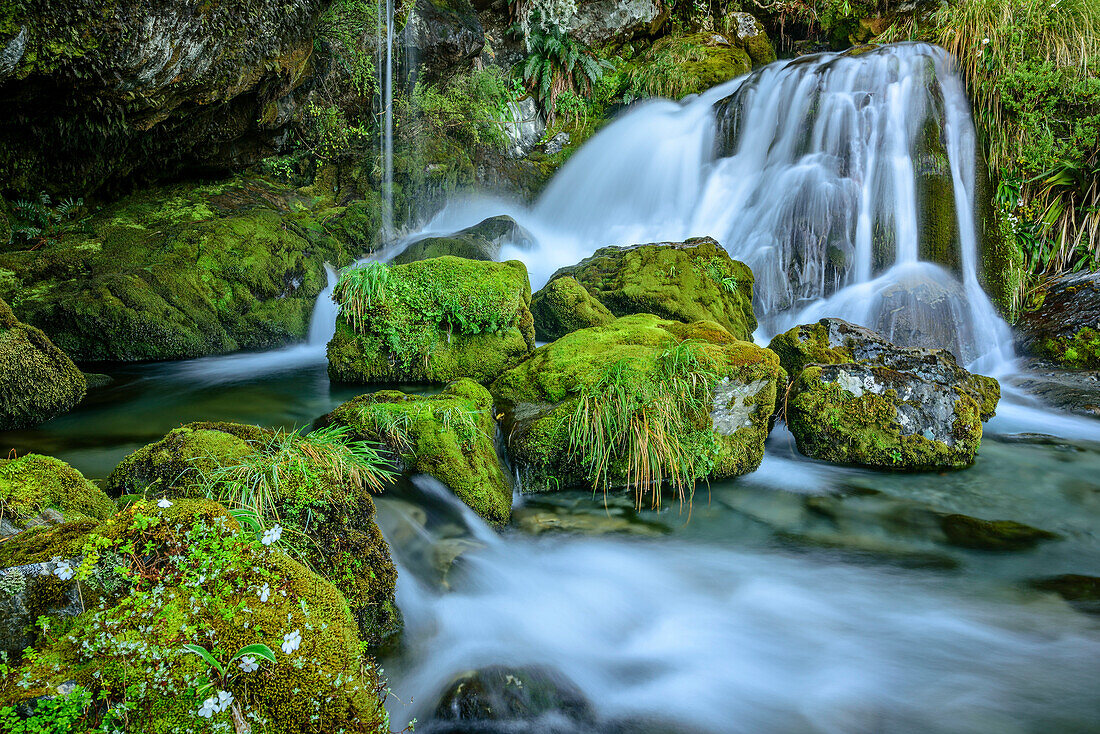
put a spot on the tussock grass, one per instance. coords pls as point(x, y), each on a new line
point(639, 424)
point(359, 289)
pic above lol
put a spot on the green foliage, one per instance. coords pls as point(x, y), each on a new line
point(1033, 70)
point(638, 419)
point(51, 715)
point(677, 66)
point(345, 25)
point(360, 289)
point(470, 108)
point(556, 63)
point(325, 131)
point(40, 222)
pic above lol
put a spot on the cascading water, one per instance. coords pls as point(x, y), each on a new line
point(846, 181)
point(384, 66)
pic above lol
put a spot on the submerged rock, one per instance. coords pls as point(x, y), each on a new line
point(179, 272)
point(694, 280)
point(479, 242)
point(1081, 591)
point(431, 321)
point(1075, 391)
point(857, 399)
point(703, 397)
point(37, 380)
point(993, 535)
point(449, 436)
point(331, 516)
point(1065, 328)
point(503, 694)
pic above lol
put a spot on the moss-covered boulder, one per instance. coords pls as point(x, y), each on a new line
point(835, 341)
point(450, 436)
point(991, 535)
point(326, 507)
point(694, 280)
point(37, 380)
point(32, 483)
point(479, 242)
point(676, 66)
point(637, 401)
point(200, 580)
point(431, 321)
point(564, 305)
point(1064, 324)
point(180, 272)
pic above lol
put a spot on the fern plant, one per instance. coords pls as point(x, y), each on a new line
point(556, 63)
point(38, 222)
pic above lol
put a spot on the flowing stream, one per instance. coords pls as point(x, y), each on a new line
point(805, 597)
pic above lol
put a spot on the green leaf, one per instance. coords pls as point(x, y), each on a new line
point(259, 650)
point(202, 653)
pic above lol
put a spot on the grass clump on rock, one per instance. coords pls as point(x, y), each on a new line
point(432, 320)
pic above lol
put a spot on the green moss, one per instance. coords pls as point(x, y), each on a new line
point(41, 543)
point(449, 436)
point(691, 281)
point(808, 344)
point(676, 66)
point(564, 305)
point(37, 380)
point(431, 321)
point(331, 521)
point(32, 483)
point(195, 581)
point(1079, 351)
point(831, 423)
point(723, 426)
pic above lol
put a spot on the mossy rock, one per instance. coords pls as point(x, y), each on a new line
point(726, 428)
point(835, 341)
point(482, 241)
point(564, 305)
point(450, 436)
point(180, 271)
point(332, 522)
point(37, 380)
point(436, 321)
point(694, 280)
point(676, 66)
point(33, 483)
point(881, 417)
point(1065, 325)
point(199, 583)
point(993, 535)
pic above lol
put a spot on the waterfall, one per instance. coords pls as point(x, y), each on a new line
point(846, 181)
point(384, 67)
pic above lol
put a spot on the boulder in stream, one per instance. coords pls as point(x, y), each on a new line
point(328, 511)
point(503, 694)
point(855, 398)
point(564, 306)
point(479, 242)
point(449, 436)
point(687, 400)
point(431, 321)
point(1065, 327)
point(694, 280)
point(37, 380)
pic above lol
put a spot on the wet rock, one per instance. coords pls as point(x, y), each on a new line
point(524, 127)
point(588, 520)
point(600, 21)
point(855, 398)
point(29, 592)
point(37, 380)
point(557, 143)
point(442, 35)
point(482, 241)
point(1081, 591)
point(435, 321)
point(502, 694)
point(992, 535)
point(1075, 391)
point(694, 280)
point(40, 490)
point(1065, 327)
point(448, 436)
point(720, 432)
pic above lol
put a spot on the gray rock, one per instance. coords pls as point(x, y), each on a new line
point(502, 694)
point(524, 127)
point(442, 36)
point(482, 241)
point(1070, 303)
point(557, 143)
point(28, 592)
point(600, 21)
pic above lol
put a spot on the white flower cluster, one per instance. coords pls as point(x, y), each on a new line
point(248, 664)
point(292, 641)
point(272, 535)
point(216, 704)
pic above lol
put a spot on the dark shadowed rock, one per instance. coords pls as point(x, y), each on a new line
point(503, 694)
point(1065, 328)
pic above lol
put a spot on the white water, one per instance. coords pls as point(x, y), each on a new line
point(720, 640)
point(821, 171)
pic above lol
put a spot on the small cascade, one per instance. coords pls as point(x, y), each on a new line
point(384, 66)
point(322, 324)
point(845, 181)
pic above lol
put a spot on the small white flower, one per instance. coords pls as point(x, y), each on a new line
point(225, 698)
point(292, 641)
point(264, 593)
point(248, 664)
point(63, 571)
point(209, 708)
point(272, 535)
point(164, 503)
point(985, 41)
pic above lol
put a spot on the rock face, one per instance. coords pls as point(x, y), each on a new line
point(1075, 391)
point(713, 395)
point(442, 35)
point(27, 593)
point(689, 281)
point(1066, 326)
point(449, 436)
point(857, 399)
point(125, 89)
point(332, 519)
point(431, 321)
point(600, 21)
point(37, 380)
point(181, 272)
point(502, 694)
point(524, 127)
point(479, 242)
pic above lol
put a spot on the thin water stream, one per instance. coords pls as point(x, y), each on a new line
point(805, 597)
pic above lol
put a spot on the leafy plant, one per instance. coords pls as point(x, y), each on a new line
point(557, 63)
point(50, 715)
point(39, 222)
point(471, 108)
point(361, 288)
